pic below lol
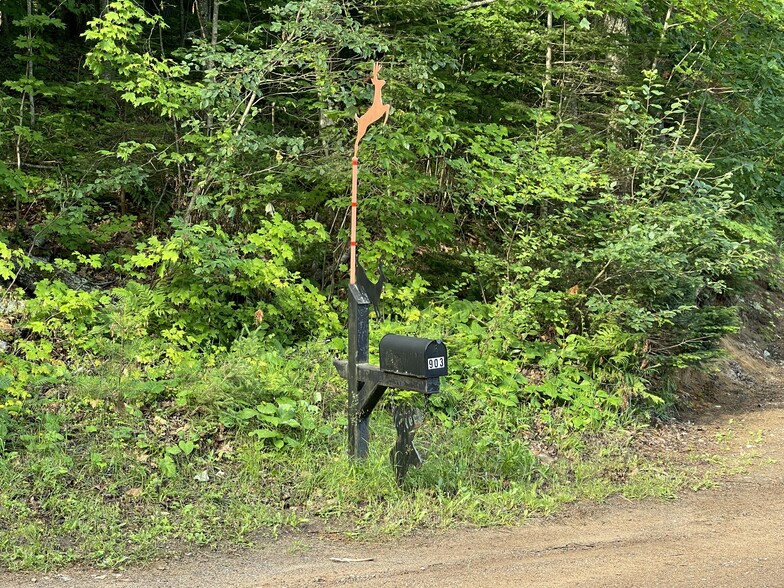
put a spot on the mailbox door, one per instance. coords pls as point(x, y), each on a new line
point(435, 359)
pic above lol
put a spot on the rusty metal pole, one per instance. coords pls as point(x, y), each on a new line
point(353, 240)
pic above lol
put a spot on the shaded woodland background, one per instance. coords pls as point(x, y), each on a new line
point(574, 195)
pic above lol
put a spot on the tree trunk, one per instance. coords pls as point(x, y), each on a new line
point(548, 62)
point(214, 34)
point(616, 25)
point(210, 63)
point(29, 69)
point(183, 19)
point(203, 13)
point(665, 26)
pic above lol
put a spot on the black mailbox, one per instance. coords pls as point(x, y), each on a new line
point(413, 356)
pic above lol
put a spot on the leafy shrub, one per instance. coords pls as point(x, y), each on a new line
point(208, 285)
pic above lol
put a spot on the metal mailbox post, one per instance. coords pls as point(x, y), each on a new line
point(406, 363)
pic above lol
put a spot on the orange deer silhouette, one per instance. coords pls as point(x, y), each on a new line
point(376, 110)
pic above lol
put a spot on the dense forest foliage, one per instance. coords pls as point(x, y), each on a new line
point(572, 194)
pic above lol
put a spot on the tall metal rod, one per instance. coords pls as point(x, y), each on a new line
point(353, 241)
point(376, 111)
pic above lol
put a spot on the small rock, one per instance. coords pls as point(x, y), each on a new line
point(9, 307)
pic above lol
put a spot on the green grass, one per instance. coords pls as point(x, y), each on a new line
point(94, 496)
point(57, 508)
point(109, 471)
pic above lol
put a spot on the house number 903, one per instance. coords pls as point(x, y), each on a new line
point(434, 363)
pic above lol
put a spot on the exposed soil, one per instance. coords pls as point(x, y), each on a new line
point(726, 536)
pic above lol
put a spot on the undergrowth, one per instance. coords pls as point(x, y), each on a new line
point(115, 466)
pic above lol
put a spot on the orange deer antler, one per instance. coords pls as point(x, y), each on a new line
point(376, 110)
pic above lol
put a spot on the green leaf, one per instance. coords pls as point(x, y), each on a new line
point(265, 434)
point(186, 447)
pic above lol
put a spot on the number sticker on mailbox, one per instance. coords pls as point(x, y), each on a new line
point(434, 363)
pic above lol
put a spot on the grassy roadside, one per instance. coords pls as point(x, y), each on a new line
point(113, 470)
